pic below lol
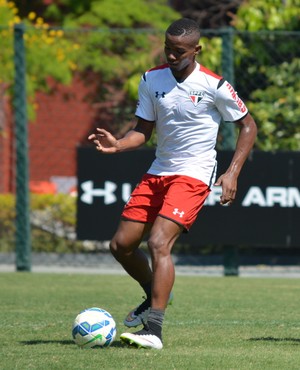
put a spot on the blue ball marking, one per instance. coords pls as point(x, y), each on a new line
point(75, 331)
point(84, 328)
point(96, 327)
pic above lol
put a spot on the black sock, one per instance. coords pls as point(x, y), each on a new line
point(155, 321)
point(147, 289)
point(155, 329)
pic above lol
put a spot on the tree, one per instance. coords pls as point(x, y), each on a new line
point(119, 48)
point(208, 13)
point(270, 60)
point(48, 53)
point(118, 43)
point(113, 41)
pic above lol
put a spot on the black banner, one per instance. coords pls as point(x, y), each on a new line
point(266, 211)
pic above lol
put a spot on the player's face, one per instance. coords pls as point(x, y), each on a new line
point(180, 53)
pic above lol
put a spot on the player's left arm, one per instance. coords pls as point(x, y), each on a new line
point(245, 142)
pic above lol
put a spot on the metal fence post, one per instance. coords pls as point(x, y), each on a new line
point(23, 240)
point(230, 255)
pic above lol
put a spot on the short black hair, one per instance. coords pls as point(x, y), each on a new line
point(184, 27)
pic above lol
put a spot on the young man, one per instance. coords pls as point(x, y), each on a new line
point(186, 102)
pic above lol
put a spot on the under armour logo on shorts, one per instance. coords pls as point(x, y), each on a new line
point(176, 212)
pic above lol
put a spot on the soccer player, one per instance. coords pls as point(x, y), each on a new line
point(186, 102)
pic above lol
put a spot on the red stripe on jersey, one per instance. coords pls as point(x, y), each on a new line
point(163, 66)
point(209, 72)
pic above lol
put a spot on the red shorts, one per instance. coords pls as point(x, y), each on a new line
point(177, 198)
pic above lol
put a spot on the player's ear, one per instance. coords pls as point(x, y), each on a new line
point(197, 49)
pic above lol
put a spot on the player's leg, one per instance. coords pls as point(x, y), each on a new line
point(124, 247)
point(137, 218)
point(161, 240)
point(182, 202)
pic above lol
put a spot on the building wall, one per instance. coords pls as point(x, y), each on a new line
point(64, 118)
point(6, 147)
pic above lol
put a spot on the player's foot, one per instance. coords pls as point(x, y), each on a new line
point(145, 338)
point(141, 312)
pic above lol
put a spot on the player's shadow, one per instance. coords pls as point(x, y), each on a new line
point(65, 342)
point(294, 341)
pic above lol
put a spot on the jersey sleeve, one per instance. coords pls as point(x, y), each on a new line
point(230, 106)
point(145, 108)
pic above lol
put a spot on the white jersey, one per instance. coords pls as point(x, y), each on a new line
point(187, 116)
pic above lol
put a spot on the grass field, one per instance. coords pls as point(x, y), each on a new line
point(214, 323)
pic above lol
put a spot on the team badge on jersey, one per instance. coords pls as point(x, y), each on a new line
point(196, 97)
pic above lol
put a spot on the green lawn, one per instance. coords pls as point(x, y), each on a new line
point(214, 323)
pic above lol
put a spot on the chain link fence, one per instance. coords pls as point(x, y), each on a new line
point(64, 83)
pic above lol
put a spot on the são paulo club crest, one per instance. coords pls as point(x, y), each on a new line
point(196, 97)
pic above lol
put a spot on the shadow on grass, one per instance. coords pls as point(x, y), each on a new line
point(273, 339)
point(40, 341)
point(62, 342)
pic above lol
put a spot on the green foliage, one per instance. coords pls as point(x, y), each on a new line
point(278, 108)
point(119, 47)
point(6, 45)
point(53, 219)
point(57, 214)
point(7, 225)
point(256, 15)
point(270, 61)
point(211, 52)
point(56, 10)
point(117, 41)
point(48, 53)
point(61, 206)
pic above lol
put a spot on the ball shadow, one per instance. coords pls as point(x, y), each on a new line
point(66, 342)
point(40, 341)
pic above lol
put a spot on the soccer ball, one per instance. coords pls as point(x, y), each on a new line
point(94, 327)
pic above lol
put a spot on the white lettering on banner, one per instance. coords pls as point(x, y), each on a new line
point(126, 191)
point(254, 196)
point(107, 193)
point(274, 195)
point(89, 192)
point(285, 197)
point(294, 197)
point(214, 196)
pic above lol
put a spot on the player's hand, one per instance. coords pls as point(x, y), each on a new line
point(104, 141)
point(229, 188)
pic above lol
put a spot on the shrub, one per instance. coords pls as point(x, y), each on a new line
point(52, 218)
point(7, 225)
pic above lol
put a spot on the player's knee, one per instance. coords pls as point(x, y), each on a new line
point(118, 248)
point(157, 246)
point(115, 248)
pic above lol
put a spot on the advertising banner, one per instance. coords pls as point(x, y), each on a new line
point(266, 211)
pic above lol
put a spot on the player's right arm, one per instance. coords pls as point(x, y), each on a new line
point(106, 143)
